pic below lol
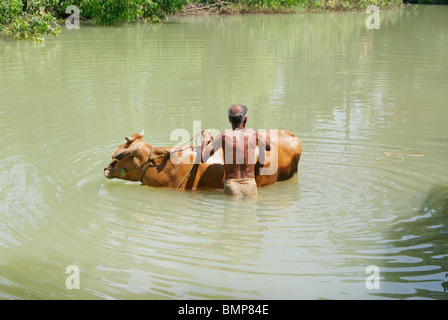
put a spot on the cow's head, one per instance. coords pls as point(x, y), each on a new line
point(128, 159)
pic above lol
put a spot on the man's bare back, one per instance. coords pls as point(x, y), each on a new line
point(239, 152)
point(239, 146)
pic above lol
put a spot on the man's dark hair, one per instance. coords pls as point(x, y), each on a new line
point(237, 118)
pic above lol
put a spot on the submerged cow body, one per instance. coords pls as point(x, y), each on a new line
point(135, 160)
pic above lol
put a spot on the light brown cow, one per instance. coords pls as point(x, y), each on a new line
point(180, 168)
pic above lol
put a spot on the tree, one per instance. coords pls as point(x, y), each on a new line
point(110, 11)
point(30, 19)
point(33, 19)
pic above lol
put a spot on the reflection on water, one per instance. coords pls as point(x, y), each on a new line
point(419, 241)
point(369, 106)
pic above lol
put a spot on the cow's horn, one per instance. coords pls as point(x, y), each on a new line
point(142, 133)
point(129, 139)
point(120, 154)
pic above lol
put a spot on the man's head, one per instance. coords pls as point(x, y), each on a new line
point(238, 115)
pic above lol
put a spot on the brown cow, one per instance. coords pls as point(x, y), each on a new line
point(180, 168)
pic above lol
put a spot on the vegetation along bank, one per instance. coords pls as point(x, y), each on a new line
point(33, 19)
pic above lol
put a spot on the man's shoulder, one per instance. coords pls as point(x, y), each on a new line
point(239, 132)
point(252, 132)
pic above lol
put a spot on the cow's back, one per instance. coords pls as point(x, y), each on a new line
point(289, 152)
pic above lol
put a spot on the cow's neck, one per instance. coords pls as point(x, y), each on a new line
point(152, 169)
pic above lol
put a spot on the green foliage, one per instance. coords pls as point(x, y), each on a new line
point(158, 9)
point(300, 5)
point(29, 20)
point(110, 11)
point(9, 10)
point(428, 1)
point(33, 19)
point(316, 4)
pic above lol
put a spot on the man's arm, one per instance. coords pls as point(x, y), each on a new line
point(208, 149)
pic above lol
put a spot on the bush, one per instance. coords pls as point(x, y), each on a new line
point(159, 9)
point(110, 11)
point(31, 20)
point(427, 1)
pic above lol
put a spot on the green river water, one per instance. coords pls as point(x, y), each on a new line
point(370, 106)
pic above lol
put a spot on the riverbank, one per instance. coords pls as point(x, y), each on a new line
point(47, 17)
point(281, 7)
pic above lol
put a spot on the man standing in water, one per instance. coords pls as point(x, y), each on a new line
point(239, 153)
